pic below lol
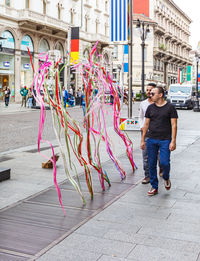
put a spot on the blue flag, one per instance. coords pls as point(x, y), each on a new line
point(119, 20)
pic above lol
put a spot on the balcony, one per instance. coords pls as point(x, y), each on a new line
point(168, 35)
point(102, 39)
point(27, 17)
point(9, 12)
point(159, 30)
point(159, 52)
point(188, 47)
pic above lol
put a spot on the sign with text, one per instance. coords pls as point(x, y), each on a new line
point(129, 124)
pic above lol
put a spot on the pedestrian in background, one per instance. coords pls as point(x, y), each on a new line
point(7, 96)
point(24, 93)
point(83, 103)
point(78, 98)
point(161, 121)
point(65, 96)
point(142, 110)
point(30, 98)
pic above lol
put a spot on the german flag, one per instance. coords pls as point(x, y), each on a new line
point(74, 59)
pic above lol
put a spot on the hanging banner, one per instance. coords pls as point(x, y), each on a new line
point(189, 70)
point(119, 20)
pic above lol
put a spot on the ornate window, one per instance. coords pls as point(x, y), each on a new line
point(27, 2)
point(72, 12)
point(7, 3)
point(106, 6)
point(44, 7)
point(97, 25)
point(86, 22)
point(59, 10)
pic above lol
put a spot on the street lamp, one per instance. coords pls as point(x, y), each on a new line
point(196, 102)
point(144, 30)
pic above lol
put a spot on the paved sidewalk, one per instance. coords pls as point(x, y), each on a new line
point(135, 227)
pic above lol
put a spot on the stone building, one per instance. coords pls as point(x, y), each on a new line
point(171, 41)
point(44, 25)
point(167, 46)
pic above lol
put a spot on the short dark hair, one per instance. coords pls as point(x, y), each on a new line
point(160, 90)
point(152, 84)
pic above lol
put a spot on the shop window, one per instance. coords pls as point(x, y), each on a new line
point(7, 3)
point(7, 64)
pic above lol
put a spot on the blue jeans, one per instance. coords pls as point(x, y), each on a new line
point(153, 147)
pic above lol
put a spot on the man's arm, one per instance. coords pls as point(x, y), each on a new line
point(141, 116)
point(144, 131)
point(172, 145)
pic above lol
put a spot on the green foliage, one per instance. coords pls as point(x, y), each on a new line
point(162, 47)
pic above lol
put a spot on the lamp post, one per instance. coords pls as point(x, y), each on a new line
point(196, 102)
point(144, 30)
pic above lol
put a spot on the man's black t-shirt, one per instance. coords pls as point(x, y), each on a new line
point(160, 121)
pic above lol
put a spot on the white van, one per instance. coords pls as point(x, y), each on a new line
point(181, 95)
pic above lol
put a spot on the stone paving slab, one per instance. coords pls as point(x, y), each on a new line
point(144, 253)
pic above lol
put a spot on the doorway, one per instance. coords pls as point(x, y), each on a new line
point(4, 81)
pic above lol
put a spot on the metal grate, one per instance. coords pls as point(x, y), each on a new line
point(35, 225)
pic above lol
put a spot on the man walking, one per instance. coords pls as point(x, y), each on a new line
point(161, 121)
point(143, 107)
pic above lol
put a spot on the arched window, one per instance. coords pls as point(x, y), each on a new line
point(44, 46)
point(85, 56)
point(60, 48)
point(106, 59)
point(9, 42)
point(27, 42)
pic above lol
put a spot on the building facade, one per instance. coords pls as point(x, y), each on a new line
point(167, 45)
point(171, 41)
point(44, 25)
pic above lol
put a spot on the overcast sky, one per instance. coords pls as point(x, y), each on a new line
point(192, 9)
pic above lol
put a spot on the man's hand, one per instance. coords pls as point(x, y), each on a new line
point(142, 145)
point(172, 146)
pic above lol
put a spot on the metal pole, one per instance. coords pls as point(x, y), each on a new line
point(196, 103)
point(130, 59)
point(143, 45)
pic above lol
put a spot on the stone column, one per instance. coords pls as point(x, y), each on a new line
point(17, 75)
point(36, 62)
point(166, 73)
